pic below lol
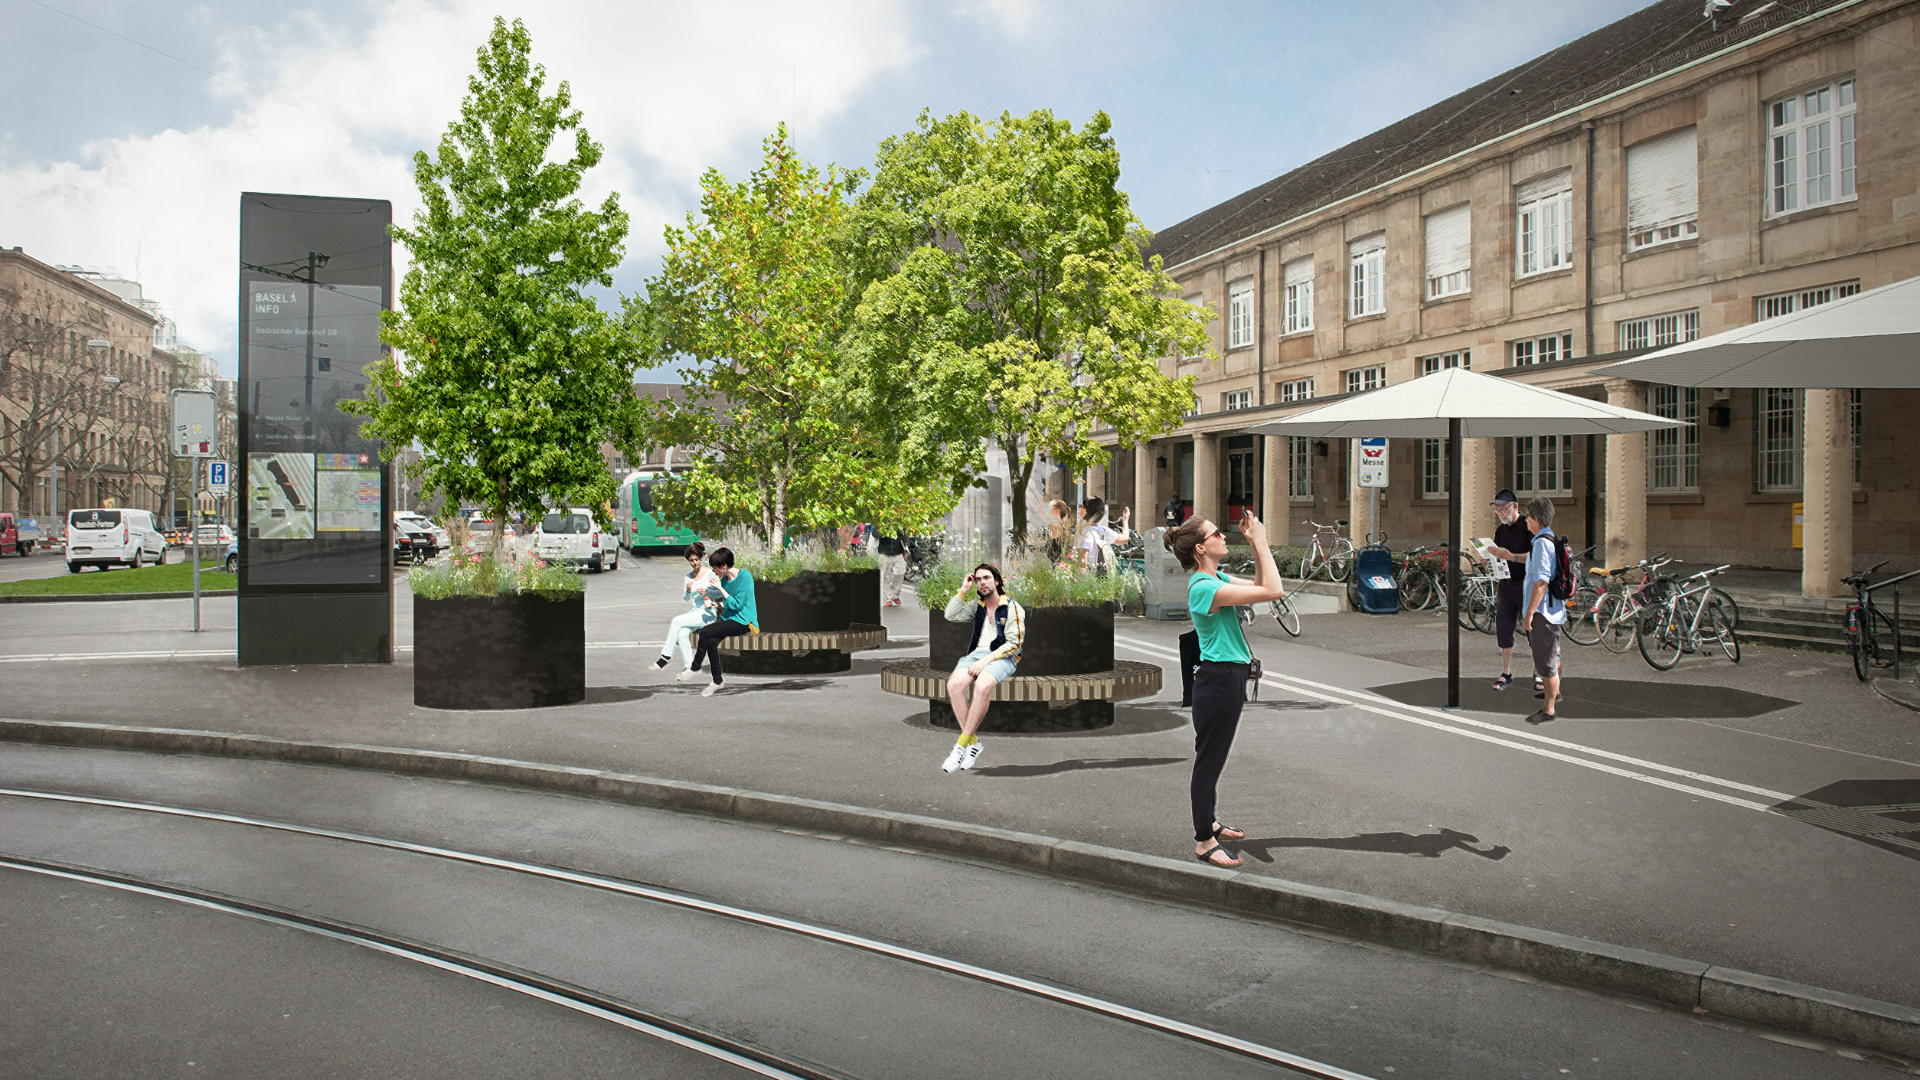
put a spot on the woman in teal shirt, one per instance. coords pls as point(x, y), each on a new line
point(1219, 686)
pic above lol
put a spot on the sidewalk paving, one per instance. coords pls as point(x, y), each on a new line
point(1557, 828)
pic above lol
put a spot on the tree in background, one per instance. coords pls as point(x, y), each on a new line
point(1003, 300)
point(753, 291)
point(512, 377)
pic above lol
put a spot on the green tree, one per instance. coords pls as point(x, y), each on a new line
point(753, 291)
point(1004, 300)
point(512, 377)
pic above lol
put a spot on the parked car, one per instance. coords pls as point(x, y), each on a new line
point(13, 540)
point(421, 521)
point(212, 536)
point(570, 538)
point(411, 545)
point(105, 538)
point(231, 560)
point(480, 538)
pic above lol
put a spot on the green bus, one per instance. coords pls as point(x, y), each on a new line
point(640, 527)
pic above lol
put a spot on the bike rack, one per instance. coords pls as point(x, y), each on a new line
point(1896, 614)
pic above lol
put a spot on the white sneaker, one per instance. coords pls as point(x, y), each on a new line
point(954, 759)
point(712, 688)
point(687, 676)
point(973, 755)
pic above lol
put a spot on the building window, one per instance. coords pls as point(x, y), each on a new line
point(1431, 364)
point(1369, 258)
point(1299, 467)
point(1200, 304)
point(1542, 350)
point(1449, 252)
point(1236, 399)
point(1663, 190)
point(1360, 380)
point(1772, 307)
point(1543, 465)
point(1660, 330)
point(1433, 469)
point(1673, 455)
point(1781, 413)
point(1299, 299)
point(1296, 390)
point(1545, 224)
point(1240, 315)
point(1810, 149)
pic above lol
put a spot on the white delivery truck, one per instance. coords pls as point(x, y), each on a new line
point(570, 538)
point(105, 538)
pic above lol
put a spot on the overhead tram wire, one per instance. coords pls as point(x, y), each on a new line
point(217, 75)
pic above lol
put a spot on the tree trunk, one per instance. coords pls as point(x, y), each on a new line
point(1018, 496)
point(778, 541)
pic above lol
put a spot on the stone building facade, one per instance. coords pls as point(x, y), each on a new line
point(1606, 199)
point(83, 394)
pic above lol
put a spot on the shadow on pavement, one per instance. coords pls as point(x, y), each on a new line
point(1884, 813)
point(613, 695)
point(1595, 699)
point(1141, 719)
point(1426, 845)
point(1075, 765)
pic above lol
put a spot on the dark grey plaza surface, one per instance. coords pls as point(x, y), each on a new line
point(103, 982)
point(1650, 816)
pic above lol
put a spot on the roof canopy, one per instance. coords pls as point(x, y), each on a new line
point(1871, 339)
point(1487, 408)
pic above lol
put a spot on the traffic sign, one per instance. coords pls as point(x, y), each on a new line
point(1373, 463)
point(218, 477)
point(196, 423)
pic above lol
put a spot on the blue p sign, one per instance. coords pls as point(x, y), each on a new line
point(217, 475)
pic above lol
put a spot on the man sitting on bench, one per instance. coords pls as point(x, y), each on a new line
point(999, 627)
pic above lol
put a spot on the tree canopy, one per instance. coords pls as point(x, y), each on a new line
point(1003, 300)
point(512, 377)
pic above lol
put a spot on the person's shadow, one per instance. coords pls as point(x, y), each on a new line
point(1426, 845)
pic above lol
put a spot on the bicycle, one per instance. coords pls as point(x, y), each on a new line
point(1419, 587)
point(922, 553)
point(1335, 558)
point(1678, 628)
point(1582, 604)
point(1619, 612)
point(1872, 637)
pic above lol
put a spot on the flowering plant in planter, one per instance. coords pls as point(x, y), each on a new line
point(477, 575)
point(1033, 579)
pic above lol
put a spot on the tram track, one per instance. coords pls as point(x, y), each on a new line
point(586, 1001)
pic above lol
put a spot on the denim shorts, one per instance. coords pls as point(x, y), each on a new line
point(1001, 669)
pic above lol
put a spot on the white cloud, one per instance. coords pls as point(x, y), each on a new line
point(1015, 17)
point(667, 88)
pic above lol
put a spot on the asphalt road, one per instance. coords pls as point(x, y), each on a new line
point(104, 981)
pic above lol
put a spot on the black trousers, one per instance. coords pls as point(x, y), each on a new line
point(708, 643)
point(1219, 692)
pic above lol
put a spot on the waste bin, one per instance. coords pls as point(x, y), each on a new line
point(1372, 589)
point(1165, 591)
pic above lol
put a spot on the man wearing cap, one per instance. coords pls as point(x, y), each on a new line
point(1512, 540)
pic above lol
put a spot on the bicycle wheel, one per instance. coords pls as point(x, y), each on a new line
point(1873, 646)
point(1722, 631)
point(1663, 636)
point(1619, 625)
point(1416, 588)
point(1582, 627)
point(1284, 614)
point(1727, 607)
point(1340, 562)
point(1480, 609)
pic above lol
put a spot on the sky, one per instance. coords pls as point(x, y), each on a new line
point(131, 128)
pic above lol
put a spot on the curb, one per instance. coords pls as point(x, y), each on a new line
point(1689, 984)
point(1901, 692)
point(68, 598)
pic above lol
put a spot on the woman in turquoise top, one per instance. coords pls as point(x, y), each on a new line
point(1219, 686)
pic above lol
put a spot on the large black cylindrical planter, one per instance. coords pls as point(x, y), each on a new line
point(1059, 641)
point(864, 602)
point(499, 652)
point(807, 602)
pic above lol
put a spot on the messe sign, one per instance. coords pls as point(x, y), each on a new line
point(1373, 463)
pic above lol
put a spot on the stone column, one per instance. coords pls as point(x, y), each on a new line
point(1274, 505)
point(1479, 481)
point(1146, 501)
point(1097, 482)
point(1826, 484)
point(1206, 479)
point(1626, 480)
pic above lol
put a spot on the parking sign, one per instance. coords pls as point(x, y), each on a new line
point(217, 477)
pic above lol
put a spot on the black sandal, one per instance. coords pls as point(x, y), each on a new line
point(1228, 832)
point(1504, 681)
point(1207, 857)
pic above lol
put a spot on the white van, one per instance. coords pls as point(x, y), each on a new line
point(106, 538)
point(570, 537)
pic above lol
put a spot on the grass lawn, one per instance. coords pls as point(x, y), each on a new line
point(177, 577)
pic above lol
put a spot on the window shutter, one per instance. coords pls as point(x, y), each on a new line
point(1299, 271)
point(1449, 241)
point(1542, 186)
point(1376, 242)
point(1663, 181)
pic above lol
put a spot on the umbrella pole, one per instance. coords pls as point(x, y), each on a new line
point(1453, 563)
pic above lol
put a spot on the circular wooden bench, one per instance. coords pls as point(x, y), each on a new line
point(1030, 702)
point(800, 652)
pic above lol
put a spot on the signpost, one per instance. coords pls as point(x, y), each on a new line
point(195, 434)
point(1373, 477)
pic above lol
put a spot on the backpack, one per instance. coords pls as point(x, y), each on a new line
point(1560, 584)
